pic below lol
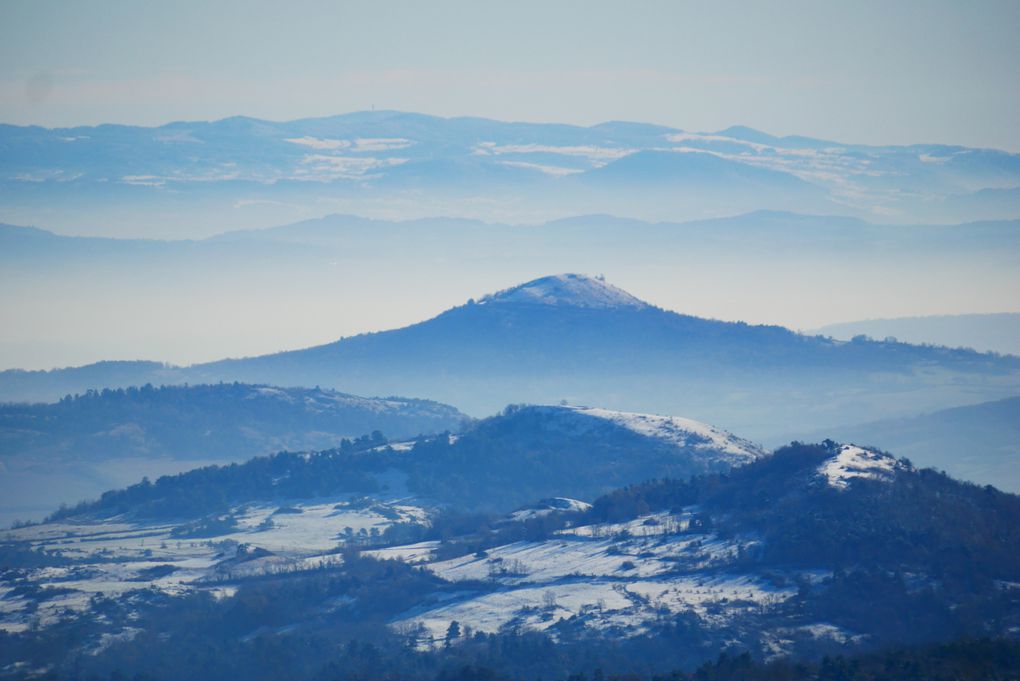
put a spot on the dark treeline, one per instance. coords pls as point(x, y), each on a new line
point(251, 636)
point(213, 489)
point(960, 660)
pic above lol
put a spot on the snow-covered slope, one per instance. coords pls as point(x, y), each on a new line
point(566, 290)
point(853, 463)
point(618, 578)
point(709, 443)
point(114, 557)
point(682, 432)
point(535, 452)
point(750, 556)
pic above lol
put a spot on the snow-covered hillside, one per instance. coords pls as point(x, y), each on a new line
point(767, 555)
point(116, 545)
point(608, 576)
point(704, 443)
point(114, 557)
point(612, 577)
point(682, 432)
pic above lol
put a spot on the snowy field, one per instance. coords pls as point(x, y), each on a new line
point(619, 577)
point(113, 558)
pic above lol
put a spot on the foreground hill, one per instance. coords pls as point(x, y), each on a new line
point(817, 541)
point(83, 445)
point(812, 550)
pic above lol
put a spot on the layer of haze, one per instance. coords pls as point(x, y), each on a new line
point(186, 310)
point(868, 72)
point(865, 72)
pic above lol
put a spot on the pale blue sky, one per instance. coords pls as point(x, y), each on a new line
point(878, 72)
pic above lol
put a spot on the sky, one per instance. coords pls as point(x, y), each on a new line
point(866, 72)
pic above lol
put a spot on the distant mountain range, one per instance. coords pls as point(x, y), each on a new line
point(985, 332)
point(578, 338)
point(739, 234)
point(195, 178)
point(979, 443)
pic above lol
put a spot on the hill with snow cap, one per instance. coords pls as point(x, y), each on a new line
point(581, 339)
point(763, 551)
point(545, 451)
point(570, 455)
point(851, 462)
point(572, 290)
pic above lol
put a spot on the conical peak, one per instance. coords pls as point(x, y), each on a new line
point(566, 290)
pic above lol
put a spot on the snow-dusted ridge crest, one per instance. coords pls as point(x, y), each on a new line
point(852, 462)
point(566, 290)
point(677, 430)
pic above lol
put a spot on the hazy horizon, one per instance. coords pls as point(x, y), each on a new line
point(540, 120)
point(686, 65)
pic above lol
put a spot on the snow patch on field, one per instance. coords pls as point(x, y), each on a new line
point(547, 506)
point(649, 525)
point(409, 553)
point(381, 143)
point(601, 603)
point(619, 577)
point(319, 143)
point(597, 155)
point(530, 607)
